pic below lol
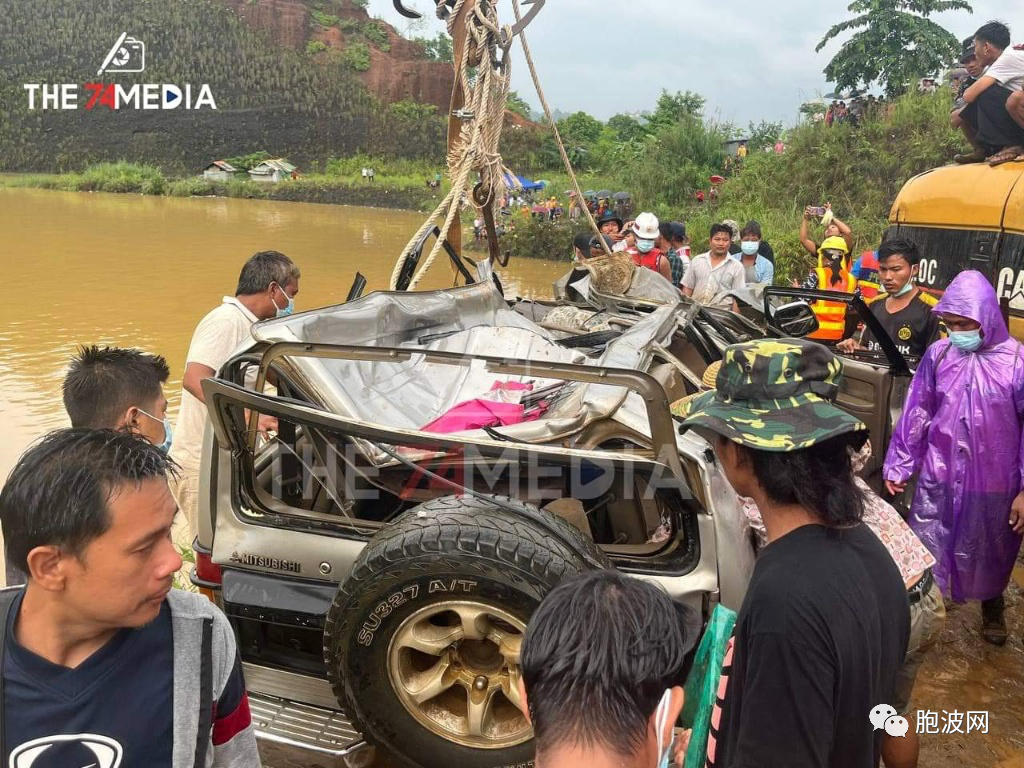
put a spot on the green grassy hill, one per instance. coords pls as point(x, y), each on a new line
point(860, 170)
point(308, 105)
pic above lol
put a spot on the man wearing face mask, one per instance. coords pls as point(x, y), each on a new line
point(904, 310)
point(267, 287)
point(119, 389)
point(645, 231)
point(961, 428)
point(603, 664)
point(756, 268)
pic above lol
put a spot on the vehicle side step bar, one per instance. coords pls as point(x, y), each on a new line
point(305, 727)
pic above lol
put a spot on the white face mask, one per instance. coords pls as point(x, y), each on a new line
point(660, 721)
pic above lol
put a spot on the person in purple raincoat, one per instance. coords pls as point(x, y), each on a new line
point(961, 430)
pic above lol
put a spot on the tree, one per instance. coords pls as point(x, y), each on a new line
point(437, 48)
point(763, 134)
point(897, 43)
point(674, 108)
point(517, 104)
point(626, 128)
point(579, 128)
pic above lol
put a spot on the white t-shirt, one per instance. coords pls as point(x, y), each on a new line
point(1008, 70)
point(218, 335)
point(707, 281)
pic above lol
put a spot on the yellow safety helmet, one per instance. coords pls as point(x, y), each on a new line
point(834, 244)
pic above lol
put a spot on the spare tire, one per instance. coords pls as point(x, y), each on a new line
point(422, 640)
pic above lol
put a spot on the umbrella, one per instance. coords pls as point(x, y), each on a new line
point(604, 193)
point(716, 179)
point(590, 193)
point(621, 196)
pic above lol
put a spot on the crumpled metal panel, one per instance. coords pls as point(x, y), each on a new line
point(473, 320)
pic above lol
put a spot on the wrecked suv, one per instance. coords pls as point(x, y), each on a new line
point(441, 461)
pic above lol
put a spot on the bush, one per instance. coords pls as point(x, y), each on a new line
point(859, 169)
point(190, 188)
point(540, 239)
point(316, 46)
point(357, 56)
point(114, 177)
point(376, 35)
point(324, 19)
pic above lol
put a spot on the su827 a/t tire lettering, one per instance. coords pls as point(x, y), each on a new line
point(457, 567)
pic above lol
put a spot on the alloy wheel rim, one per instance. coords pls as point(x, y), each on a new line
point(455, 667)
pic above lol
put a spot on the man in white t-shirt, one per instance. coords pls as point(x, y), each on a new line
point(267, 287)
point(714, 272)
point(997, 94)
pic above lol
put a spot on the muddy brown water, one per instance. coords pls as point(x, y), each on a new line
point(141, 271)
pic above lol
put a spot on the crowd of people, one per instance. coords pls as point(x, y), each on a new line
point(860, 106)
point(989, 108)
point(846, 597)
point(845, 600)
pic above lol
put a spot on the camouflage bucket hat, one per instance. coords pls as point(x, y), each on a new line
point(774, 395)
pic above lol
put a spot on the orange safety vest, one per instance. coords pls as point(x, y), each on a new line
point(832, 314)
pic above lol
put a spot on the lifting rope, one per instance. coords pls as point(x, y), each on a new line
point(486, 92)
point(558, 137)
point(486, 87)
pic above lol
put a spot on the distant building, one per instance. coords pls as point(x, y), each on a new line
point(273, 170)
point(732, 147)
point(220, 170)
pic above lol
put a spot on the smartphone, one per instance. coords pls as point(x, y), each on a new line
point(816, 210)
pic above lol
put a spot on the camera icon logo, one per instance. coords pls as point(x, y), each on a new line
point(128, 54)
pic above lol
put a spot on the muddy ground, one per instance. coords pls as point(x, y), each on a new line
point(964, 673)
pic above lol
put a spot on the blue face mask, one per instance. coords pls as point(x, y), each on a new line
point(644, 246)
point(966, 341)
point(165, 446)
point(288, 308)
point(749, 248)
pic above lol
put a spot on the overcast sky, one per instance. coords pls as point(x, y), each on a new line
point(749, 59)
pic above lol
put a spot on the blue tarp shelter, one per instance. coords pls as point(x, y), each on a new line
point(523, 182)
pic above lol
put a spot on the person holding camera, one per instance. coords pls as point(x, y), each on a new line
point(833, 228)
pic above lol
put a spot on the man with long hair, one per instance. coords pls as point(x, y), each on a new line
point(823, 630)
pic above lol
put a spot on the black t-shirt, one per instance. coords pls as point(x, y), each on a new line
point(912, 329)
point(818, 643)
point(118, 701)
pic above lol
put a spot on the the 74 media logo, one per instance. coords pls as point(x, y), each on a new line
point(127, 54)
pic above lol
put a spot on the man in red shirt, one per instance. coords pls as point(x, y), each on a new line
point(645, 230)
